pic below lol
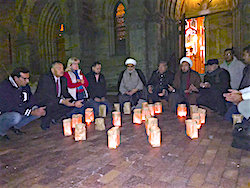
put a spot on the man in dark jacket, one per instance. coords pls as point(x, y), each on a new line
point(159, 81)
point(185, 86)
point(17, 107)
point(216, 82)
point(97, 88)
point(131, 84)
point(52, 91)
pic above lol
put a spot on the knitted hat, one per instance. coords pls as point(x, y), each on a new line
point(186, 59)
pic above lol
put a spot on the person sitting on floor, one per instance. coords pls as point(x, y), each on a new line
point(245, 82)
point(185, 86)
point(53, 92)
point(17, 107)
point(158, 83)
point(131, 84)
point(234, 67)
point(76, 81)
point(241, 133)
point(216, 82)
point(97, 88)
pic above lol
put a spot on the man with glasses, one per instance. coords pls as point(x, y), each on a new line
point(131, 83)
point(17, 107)
point(234, 67)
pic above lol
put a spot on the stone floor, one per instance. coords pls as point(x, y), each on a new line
point(48, 159)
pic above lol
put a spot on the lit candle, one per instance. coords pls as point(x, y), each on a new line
point(145, 113)
point(137, 116)
point(102, 110)
point(196, 117)
point(113, 137)
point(182, 110)
point(151, 108)
point(117, 107)
point(158, 108)
point(116, 119)
point(191, 128)
point(67, 129)
point(155, 136)
point(150, 123)
point(99, 124)
point(89, 115)
point(202, 113)
point(127, 108)
point(76, 119)
point(80, 132)
point(237, 118)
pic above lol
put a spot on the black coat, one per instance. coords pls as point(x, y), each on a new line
point(245, 82)
point(96, 89)
point(46, 90)
point(218, 79)
point(160, 81)
point(14, 99)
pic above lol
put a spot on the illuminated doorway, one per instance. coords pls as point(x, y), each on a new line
point(195, 43)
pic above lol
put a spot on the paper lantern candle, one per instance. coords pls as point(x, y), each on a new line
point(151, 108)
point(116, 119)
point(144, 104)
point(155, 136)
point(182, 110)
point(151, 122)
point(113, 137)
point(191, 128)
point(202, 113)
point(127, 108)
point(89, 116)
point(145, 113)
point(237, 118)
point(117, 107)
point(193, 109)
point(158, 108)
point(137, 116)
point(80, 132)
point(196, 117)
point(102, 110)
point(76, 119)
point(67, 128)
point(99, 124)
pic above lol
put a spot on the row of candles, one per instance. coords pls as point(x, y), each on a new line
point(198, 118)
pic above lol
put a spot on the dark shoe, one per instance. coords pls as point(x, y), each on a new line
point(17, 131)
point(4, 138)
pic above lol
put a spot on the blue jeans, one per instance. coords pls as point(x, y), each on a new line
point(13, 119)
point(95, 105)
point(231, 110)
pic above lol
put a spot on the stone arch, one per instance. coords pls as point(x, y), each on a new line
point(109, 14)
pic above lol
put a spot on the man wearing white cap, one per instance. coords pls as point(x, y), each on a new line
point(185, 86)
point(131, 83)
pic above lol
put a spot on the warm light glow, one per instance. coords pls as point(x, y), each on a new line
point(150, 123)
point(155, 136)
point(237, 118)
point(182, 110)
point(89, 115)
point(137, 116)
point(80, 132)
point(117, 107)
point(113, 137)
point(193, 109)
point(158, 108)
point(76, 119)
point(145, 113)
point(102, 110)
point(202, 113)
point(151, 108)
point(191, 129)
point(61, 28)
point(67, 128)
point(116, 119)
point(120, 11)
point(196, 118)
